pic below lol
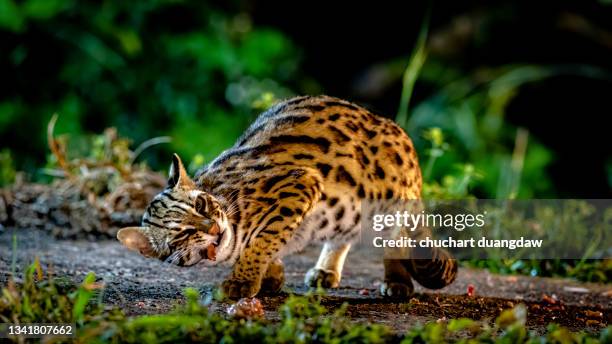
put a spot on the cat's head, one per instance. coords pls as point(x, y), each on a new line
point(182, 225)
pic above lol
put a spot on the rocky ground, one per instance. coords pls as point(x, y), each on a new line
point(144, 286)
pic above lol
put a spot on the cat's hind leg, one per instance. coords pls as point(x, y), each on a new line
point(328, 270)
point(398, 282)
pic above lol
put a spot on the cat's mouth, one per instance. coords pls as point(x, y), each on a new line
point(211, 250)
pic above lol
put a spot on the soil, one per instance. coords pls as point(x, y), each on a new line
point(145, 286)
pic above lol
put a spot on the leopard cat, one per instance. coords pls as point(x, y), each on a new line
point(298, 174)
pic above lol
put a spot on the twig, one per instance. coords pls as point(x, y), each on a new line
point(148, 143)
point(55, 146)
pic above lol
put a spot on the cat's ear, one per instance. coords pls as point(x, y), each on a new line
point(135, 239)
point(178, 175)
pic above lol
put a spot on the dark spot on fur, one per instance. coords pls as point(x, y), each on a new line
point(342, 175)
point(320, 142)
point(341, 137)
point(267, 200)
point(285, 194)
point(324, 168)
point(332, 201)
point(352, 126)
point(380, 173)
point(407, 148)
point(339, 213)
point(286, 211)
point(362, 156)
point(389, 194)
point(398, 159)
point(303, 156)
point(361, 191)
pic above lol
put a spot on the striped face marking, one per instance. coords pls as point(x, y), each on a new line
point(181, 225)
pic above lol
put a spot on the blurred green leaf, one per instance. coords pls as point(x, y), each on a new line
point(44, 9)
point(119, 64)
point(11, 17)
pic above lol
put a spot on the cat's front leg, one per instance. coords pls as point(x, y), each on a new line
point(249, 272)
point(295, 192)
point(274, 278)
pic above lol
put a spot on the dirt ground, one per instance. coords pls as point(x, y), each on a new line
point(145, 286)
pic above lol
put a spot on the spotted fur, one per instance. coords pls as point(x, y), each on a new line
point(298, 174)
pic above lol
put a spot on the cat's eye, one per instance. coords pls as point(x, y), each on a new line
point(200, 205)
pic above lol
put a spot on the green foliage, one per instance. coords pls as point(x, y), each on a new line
point(465, 146)
point(586, 223)
point(470, 111)
point(40, 299)
point(148, 68)
point(457, 184)
point(509, 327)
point(470, 148)
point(303, 319)
point(593, 270)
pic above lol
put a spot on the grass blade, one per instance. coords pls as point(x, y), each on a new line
point(412, 71)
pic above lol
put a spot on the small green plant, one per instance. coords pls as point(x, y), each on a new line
point(456, 184)
point(42, 299)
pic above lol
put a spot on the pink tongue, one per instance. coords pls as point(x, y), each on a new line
point(211, 253)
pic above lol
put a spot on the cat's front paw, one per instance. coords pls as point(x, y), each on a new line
point(236, 289)
point(323, 277)
point(396, 290)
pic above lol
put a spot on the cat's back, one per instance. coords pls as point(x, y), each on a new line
point(323, 119)
point(350, 146)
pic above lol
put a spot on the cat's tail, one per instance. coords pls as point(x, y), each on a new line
point(436, 271)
